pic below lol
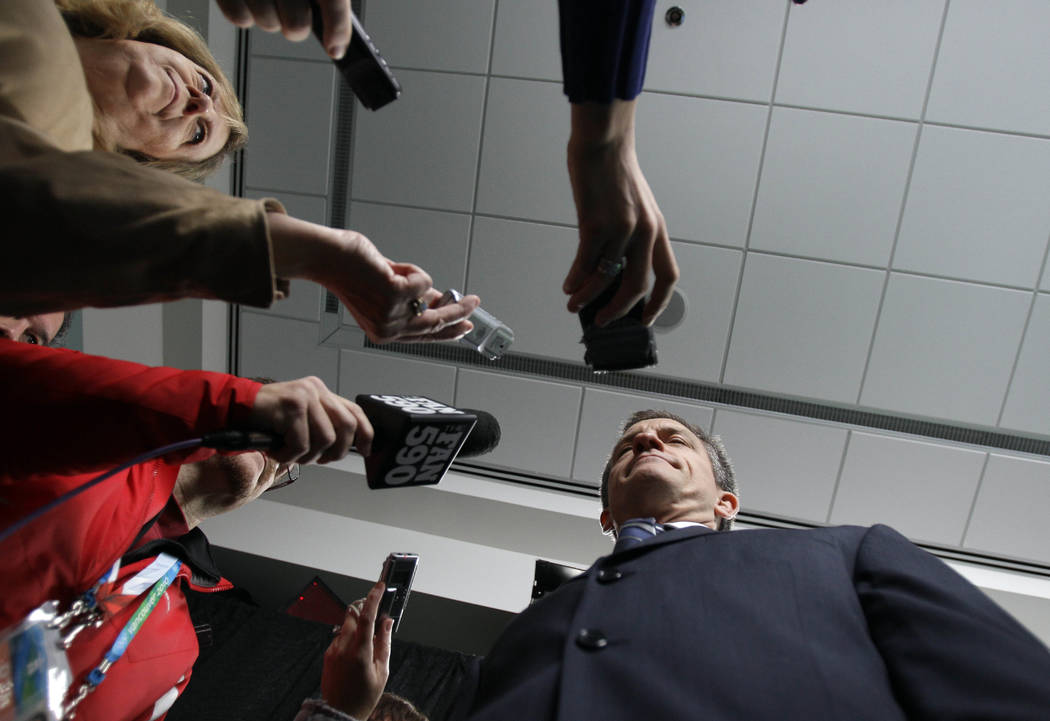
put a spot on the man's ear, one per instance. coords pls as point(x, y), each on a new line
point(727, 505)
point(606, 520)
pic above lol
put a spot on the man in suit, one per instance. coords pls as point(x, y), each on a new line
point(692, 623)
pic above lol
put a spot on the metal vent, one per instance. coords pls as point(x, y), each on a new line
point(331, 303)
point(692, 391)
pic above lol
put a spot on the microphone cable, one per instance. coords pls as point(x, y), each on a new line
point(219, 440)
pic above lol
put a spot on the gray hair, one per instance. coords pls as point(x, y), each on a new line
point(722, 467)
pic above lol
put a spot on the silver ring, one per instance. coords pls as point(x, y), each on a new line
point(611, 268)
point(418, 306)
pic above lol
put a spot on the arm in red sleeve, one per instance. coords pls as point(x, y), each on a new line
point(68, 412)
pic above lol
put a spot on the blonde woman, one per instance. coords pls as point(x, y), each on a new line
point(84, 226)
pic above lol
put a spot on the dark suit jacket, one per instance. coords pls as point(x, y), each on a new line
point(837, 623)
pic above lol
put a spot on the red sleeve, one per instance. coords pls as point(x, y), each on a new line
point(67, 412)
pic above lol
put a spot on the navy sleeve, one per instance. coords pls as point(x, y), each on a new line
point(604, 48)
point(950, 651)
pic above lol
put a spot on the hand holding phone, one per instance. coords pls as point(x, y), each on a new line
point(399, 570)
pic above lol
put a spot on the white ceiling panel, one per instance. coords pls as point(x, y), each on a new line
point(1028, 402)
point(304, 301)
point(701, 159)
point(526, 40)
point(604, 412)
point(284, 349)
point(696, 347)
point(1045, 285)
point(450, 35)
point(435, 241)
point(803, 327)
point(945, 349)
point(537, 419)
point(784, 467)
point(523, 173)
point(723, 49)
point(924, 490)
point(275, 45)
point(423, 149)
point(977, 207)
point(993, 69)
point(517, 268)
point(1012, 506)
point(379, 373)
point(290, 113)
point(859, 56)
point(832, 186)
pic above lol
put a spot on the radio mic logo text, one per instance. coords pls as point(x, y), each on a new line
point(416, 404)
point(426, 454)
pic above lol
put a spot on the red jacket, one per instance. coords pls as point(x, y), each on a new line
point(69, 417)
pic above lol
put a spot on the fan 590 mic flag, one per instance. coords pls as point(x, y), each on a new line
point(417, 438)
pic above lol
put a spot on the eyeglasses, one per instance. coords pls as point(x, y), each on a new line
point(286, 475)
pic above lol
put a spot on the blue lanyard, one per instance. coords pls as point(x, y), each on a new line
point(98, 674)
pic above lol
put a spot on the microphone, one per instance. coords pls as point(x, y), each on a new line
point(417, 438)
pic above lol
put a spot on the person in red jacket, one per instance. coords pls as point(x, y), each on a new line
point(73, 416)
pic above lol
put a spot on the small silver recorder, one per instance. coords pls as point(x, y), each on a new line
point(490, 336)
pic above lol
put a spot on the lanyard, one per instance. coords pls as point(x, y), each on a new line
point(98, 674)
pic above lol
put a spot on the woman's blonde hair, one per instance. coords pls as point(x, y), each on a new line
point(142, 20)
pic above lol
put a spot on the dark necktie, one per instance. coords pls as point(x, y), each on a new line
point(634, 531)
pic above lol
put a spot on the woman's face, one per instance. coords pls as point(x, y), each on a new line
point(153, 99)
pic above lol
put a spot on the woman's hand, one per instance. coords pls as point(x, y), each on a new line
point(384, 297)
point(357, 664)
point(617, 214)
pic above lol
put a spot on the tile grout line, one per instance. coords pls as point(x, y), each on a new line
point(754, 198)
point(904, 204)
point(481, 148)
point(838, 476)
point(1024, 335)
point(973, 502)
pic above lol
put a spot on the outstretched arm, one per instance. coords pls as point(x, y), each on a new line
point(604, 48)
point(950, 651)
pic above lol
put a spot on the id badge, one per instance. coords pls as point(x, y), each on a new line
point(34, 670)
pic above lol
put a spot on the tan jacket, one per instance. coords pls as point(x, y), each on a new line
point(80, 227)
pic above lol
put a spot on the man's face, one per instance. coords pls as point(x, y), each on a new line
point(36, 329)
point(661, 469)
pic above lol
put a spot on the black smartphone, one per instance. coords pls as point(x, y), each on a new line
point(363, 67)
point(399, 569)
point(624, 344)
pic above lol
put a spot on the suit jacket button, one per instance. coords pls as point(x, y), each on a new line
point(608, 575)
point(591, 639)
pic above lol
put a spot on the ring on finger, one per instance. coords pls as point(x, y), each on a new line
point(418, 305)
point(611, 268)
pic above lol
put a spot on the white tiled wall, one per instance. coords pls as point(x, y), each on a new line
point(945, 349)
point(802, 328)
point(423, 149)
point(832, 186)
point(857, 194)
point(977, 207)
point(922, 489)
point(860, 57)
point(994, 67)
point(1027, 405)
point(1012, 505)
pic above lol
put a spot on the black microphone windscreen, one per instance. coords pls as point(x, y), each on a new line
point(484, 437)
